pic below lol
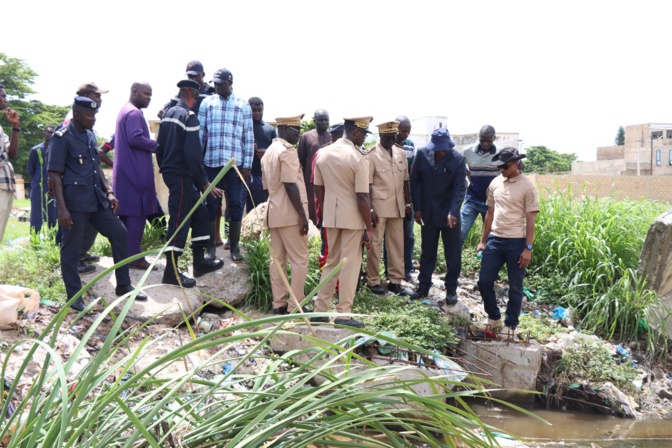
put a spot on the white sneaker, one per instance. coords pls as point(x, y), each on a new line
point(492, 325)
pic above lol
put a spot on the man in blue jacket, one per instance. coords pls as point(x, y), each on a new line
point(437, 191)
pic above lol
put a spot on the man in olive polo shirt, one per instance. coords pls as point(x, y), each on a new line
point(508, 234)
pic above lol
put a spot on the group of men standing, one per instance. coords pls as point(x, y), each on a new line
point(357, 198)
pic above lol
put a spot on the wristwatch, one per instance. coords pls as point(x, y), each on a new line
point(529, 246)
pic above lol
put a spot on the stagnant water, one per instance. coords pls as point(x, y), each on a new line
point(579, 429)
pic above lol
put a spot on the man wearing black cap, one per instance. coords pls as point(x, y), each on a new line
point(180, 158)
point(264, 134)
point(83, 198)
point(437, 189)
point(227, 132)
point(508, 234)
point(194, 72)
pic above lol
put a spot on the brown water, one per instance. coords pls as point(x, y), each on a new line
point(579, 429)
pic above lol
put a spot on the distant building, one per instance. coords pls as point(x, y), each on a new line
point(423, 127)
point(647, 151)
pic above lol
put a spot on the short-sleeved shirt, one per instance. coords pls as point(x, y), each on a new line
point(343, 170)
point(6, 169)
point(513, 199)
point(281, 165)
point(482, 172)
point(75, 155)
point(387, 176)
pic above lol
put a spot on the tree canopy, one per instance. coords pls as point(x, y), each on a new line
point(620, 136)
point(18, 78)
point(541, 160)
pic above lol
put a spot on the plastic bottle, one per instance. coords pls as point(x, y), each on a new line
point(479, 255)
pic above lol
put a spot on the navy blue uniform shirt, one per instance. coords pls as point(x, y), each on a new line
point(75, 155)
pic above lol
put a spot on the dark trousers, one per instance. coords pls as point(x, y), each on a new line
point(42, 208)
point(109, 225)
point(409, 244)
point(258, 194)
point(451, 250)
point(182, 197)
point(500, 251)
point(234, 194)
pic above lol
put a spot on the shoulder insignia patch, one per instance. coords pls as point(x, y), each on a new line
point(362, 150)
point(61, 132)
point(397, 144)
point(191, 112)
point(288, 145)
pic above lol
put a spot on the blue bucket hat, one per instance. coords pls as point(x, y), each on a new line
point(441, 141)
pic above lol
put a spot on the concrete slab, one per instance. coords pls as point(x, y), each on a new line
point(514, 366)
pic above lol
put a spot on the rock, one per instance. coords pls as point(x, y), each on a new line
point(165, 303)
point(253, 222)
point(460, 309)
point(229, 284)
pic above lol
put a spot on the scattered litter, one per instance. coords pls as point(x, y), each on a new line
point(624, 355)
point(529, 294)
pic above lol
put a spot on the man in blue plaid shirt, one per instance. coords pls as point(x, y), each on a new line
point(227, 132)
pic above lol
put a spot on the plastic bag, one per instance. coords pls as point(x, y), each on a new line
point(15, 300)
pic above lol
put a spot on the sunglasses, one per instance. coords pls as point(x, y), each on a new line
point(505, 167)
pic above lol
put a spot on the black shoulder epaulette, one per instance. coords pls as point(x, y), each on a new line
point(61, 132)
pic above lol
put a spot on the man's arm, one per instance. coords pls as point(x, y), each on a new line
point(248, 140)
point(319, 192)
point(56, 182)
point(135, 132)
point(13, 117)
point(32, 163)
point(193, 152)
point(526, 256)
point(416, 188)
point(295, 197)
point(302, 151)
point(459, 188)
point(364, 206)
point(487, 226)
point(102, 154)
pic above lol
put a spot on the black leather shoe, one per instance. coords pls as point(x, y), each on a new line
point(89, 258)
point(349, 322)
point(451, 299)
point(378, 289)
point(280, 311)
point(78, 305)
point(319, 320)
point(85, 268)
point(125, 289)
point(305, 309)
point(397, 289)
point(418, 295)
point(169, 278)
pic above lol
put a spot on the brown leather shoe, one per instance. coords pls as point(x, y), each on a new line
point(141, 264)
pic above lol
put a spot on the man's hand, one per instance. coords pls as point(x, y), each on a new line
point(303, 226)
point(452, 221)
point(366, 240)
point(65, 218)
point(12, 116)
point(480, 247)
point(114, 204)
point(215, 193)
point(374, 219)
point(525, 258)
point(247, 174)
point(407, 212)
point(418, 217)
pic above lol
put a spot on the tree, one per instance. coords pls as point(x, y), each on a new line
point(307, 125)
point(620, 136)
point(18, 77)
point(542, 160)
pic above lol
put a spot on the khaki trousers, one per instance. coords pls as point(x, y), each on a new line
point(392, 230)
point(6, 201)
point(343, 243)
point(287, 244)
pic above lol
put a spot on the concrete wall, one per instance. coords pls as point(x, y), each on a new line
point(610, 152)
point(621, 187)
point(599, 168)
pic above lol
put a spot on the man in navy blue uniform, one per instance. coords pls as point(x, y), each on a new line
point(180, 157)
point(437, 190)
point(42, 207)
point(83, 198)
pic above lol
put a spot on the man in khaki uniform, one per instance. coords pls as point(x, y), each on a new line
point(342, 188)
point(286, 213)
point(390, 199)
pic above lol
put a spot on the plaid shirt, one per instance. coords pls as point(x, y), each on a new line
point(6, 171)
point(226, 131)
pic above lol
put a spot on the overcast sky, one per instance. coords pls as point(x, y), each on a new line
point(564, 75)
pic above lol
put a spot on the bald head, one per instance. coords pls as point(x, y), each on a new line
point(141, 94)
point(486, 131)
point(321, 118)
point(404, 129)
point(486, 138)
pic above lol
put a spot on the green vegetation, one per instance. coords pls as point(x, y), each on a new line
point(540, 328)
point(542, 160)
point(590, 359)
point(620, 137)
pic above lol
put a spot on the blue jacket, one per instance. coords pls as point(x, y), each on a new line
point(439, 189)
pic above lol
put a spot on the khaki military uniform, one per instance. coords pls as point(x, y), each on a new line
point(343, 170)
point(387, 176)
point(280, 165)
